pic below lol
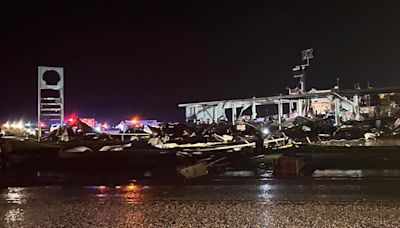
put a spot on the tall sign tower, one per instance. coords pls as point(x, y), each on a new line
point(50, 97)
point(299, 71)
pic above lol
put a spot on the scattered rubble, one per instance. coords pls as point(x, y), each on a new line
point(197, 150)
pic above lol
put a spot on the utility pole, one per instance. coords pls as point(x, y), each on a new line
point(338, 83)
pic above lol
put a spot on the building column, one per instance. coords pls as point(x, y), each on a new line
point(234, 114)
point(253, 111)
point(356, 110)
point(290, 106)
point(280, 113)
point(337, 112)
point(300, 107)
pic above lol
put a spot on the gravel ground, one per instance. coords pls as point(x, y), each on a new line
point(200, 214)
point(271, 203)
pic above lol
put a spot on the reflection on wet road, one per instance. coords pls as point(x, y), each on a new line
point(215, 203)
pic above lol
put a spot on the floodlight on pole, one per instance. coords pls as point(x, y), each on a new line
point(306, 55)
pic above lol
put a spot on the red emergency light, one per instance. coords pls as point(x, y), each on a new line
point(72, 119)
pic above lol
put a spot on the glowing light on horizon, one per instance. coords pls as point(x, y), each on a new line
point(20, 125)
point(131, 187)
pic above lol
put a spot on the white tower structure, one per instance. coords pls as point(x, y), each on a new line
point(50, 98)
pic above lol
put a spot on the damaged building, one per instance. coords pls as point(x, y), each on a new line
point(342, 105)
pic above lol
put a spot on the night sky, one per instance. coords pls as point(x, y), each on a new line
point(144, 58)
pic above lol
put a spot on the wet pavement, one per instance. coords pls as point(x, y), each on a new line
point(219, 202)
